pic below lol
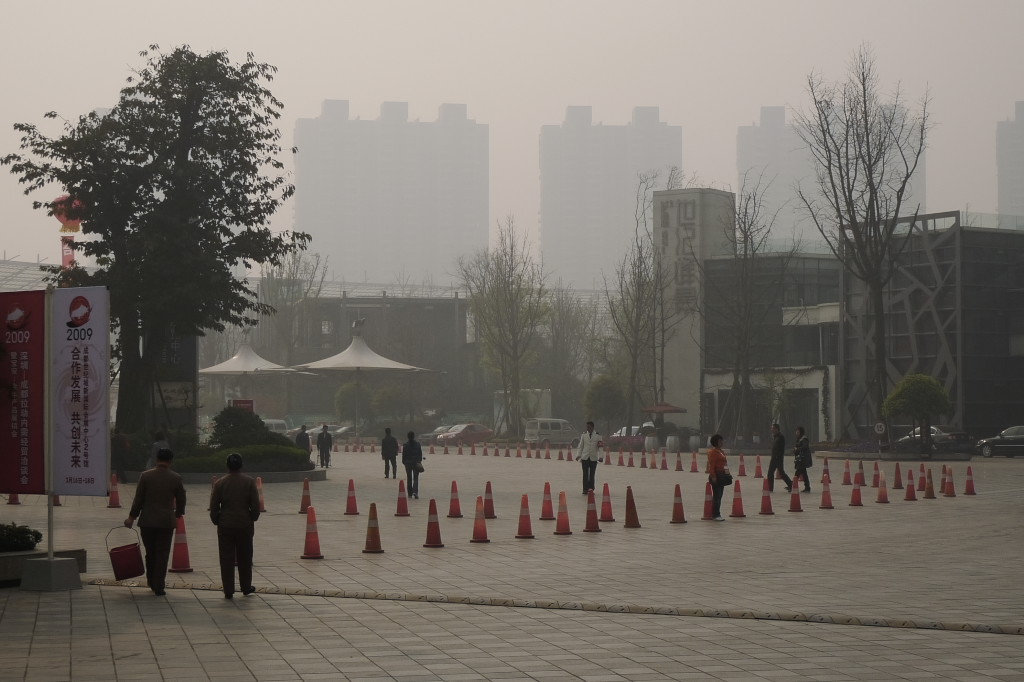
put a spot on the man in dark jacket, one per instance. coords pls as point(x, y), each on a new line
point(234, 509)
point(778, 460)
point(389, 453)
point(302, 439)
point(159, 501)
point(324, 441)
point(412, 456)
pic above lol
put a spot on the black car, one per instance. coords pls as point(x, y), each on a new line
point(944, 439)
point(1009, 442)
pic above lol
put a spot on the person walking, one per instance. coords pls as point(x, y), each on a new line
point(718, 475)
point(389, 453)
point(324, 442)
point(159, 443)
point(588, 454)
point(802, 458)
point(234, 509)
point(302, 439)
point(412, 458)
point(159, 502)
point(778, 460)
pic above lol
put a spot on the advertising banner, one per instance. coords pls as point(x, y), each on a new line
point(79, 377)
point(22, 393)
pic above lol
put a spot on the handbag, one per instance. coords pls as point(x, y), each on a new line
point(724, 478)
point(419, 468)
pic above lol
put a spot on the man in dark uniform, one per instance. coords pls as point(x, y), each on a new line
point(234, 509)
point(389, 453)
point(302, 439)
point(778, 460)
point(324, 441)
point(159, 501)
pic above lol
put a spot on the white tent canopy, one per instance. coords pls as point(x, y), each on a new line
point(245, 361)
point(359, 357)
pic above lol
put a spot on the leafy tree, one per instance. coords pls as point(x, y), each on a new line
point(176, 185)
point(920, 397)
point(507, 302)
point(565, 357)
point(353, 403)
point(865, 148)
point(605, 402)
point(234, 427)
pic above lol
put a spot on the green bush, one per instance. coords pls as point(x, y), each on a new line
point(14, 538)
point(234, 427)
point(254, 458)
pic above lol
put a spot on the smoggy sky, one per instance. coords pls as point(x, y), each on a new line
point(709, 65)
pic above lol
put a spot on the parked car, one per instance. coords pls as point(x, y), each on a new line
point(465, 434)
point(311, 429)
point(431, 438)
point(944, 439)
point(1009, 442)
point(547, 432)
point(630, 439)
point(276, 425)
point(343, 433)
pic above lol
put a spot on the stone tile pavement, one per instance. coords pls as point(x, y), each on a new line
point(950, 563)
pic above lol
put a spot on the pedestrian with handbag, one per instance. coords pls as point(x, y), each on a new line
point(412, 458)
point(718, 475)
point(802, 459)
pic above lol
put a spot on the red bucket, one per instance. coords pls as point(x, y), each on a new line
point(126, 560)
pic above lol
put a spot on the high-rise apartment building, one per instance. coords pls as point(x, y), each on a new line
point(1010, 165)
point(772, 153)
point(391, 198)
point(588, 186)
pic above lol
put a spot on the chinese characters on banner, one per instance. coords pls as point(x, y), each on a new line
point(22, 457)
point(79, 375)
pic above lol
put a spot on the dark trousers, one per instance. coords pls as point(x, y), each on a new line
point(716, 499)
point(391, 465)
point(157, 542)
point(776, 464)
point(325, 457)
point(589, 472)
point(412, 479)
point(235, 543)
point(802, 474)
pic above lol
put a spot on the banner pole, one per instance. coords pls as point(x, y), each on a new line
point(48, 416)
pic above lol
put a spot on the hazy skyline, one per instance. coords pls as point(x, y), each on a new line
point(518, 65)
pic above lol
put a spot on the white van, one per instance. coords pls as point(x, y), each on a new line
point(276, 425)
point(546, 431)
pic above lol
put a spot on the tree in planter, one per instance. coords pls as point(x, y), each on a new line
point(235, 427)
point(175, 186)
point(15, 538)
point(919, 397)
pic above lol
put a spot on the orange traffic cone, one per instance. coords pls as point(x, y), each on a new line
point(13, 499)
point(622, 462)
point(607, 458)
point(826, 494)
point(679, 461)
point(312, 548)
point(454, 508)
point(664, 460)
point(942, 483)
point(737, 502)
point(591, 525)
point(693, 463)
point(630, 463)
point(445, 449)
point(115, 496)
point(929, 487)
point(546, 512)
point(484, 453)
point(897, 478)
point(479, 523)
point(643, 459)
point(372, 532)
point(766, 499)
point(562, 525)
point(920, 479)
point(950, 490)
point(874, 477)
point(743, 467)
point(304, 505)
point(606, 505)
point(528, 455)
point(519, 451)
point(758, 472)
point(431, 449)
point(883, 492)
point(525, 528)
point(707, 503)
point(489, 502)
point(824, 471)
point(855, 500)
point(351, 505)
point(560, 457)
point(259, 489)
point(858, 478)
point(472, 449)
point(969, 486)
point(403, 500)
point(911, 495)
point(677, 507)
point(794, 498)
point(179, 560)
point(459, 452)
point(632, 520)
point(508, 451)
point(846, 474)
point(433, 527)
point(547, 452)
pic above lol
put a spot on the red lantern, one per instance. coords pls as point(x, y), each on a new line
point(64, 204)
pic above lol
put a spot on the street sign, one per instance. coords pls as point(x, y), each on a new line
point(880, 428)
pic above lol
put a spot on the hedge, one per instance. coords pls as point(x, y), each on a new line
point(254, 458)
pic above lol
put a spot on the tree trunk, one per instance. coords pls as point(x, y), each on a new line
point(879, 373)
point(132, 400)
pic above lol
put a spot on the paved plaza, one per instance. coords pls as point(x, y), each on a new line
point(905, 590)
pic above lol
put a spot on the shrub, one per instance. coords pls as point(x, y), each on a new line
point(14, 538)
point(234, 427)
point(254, 458)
